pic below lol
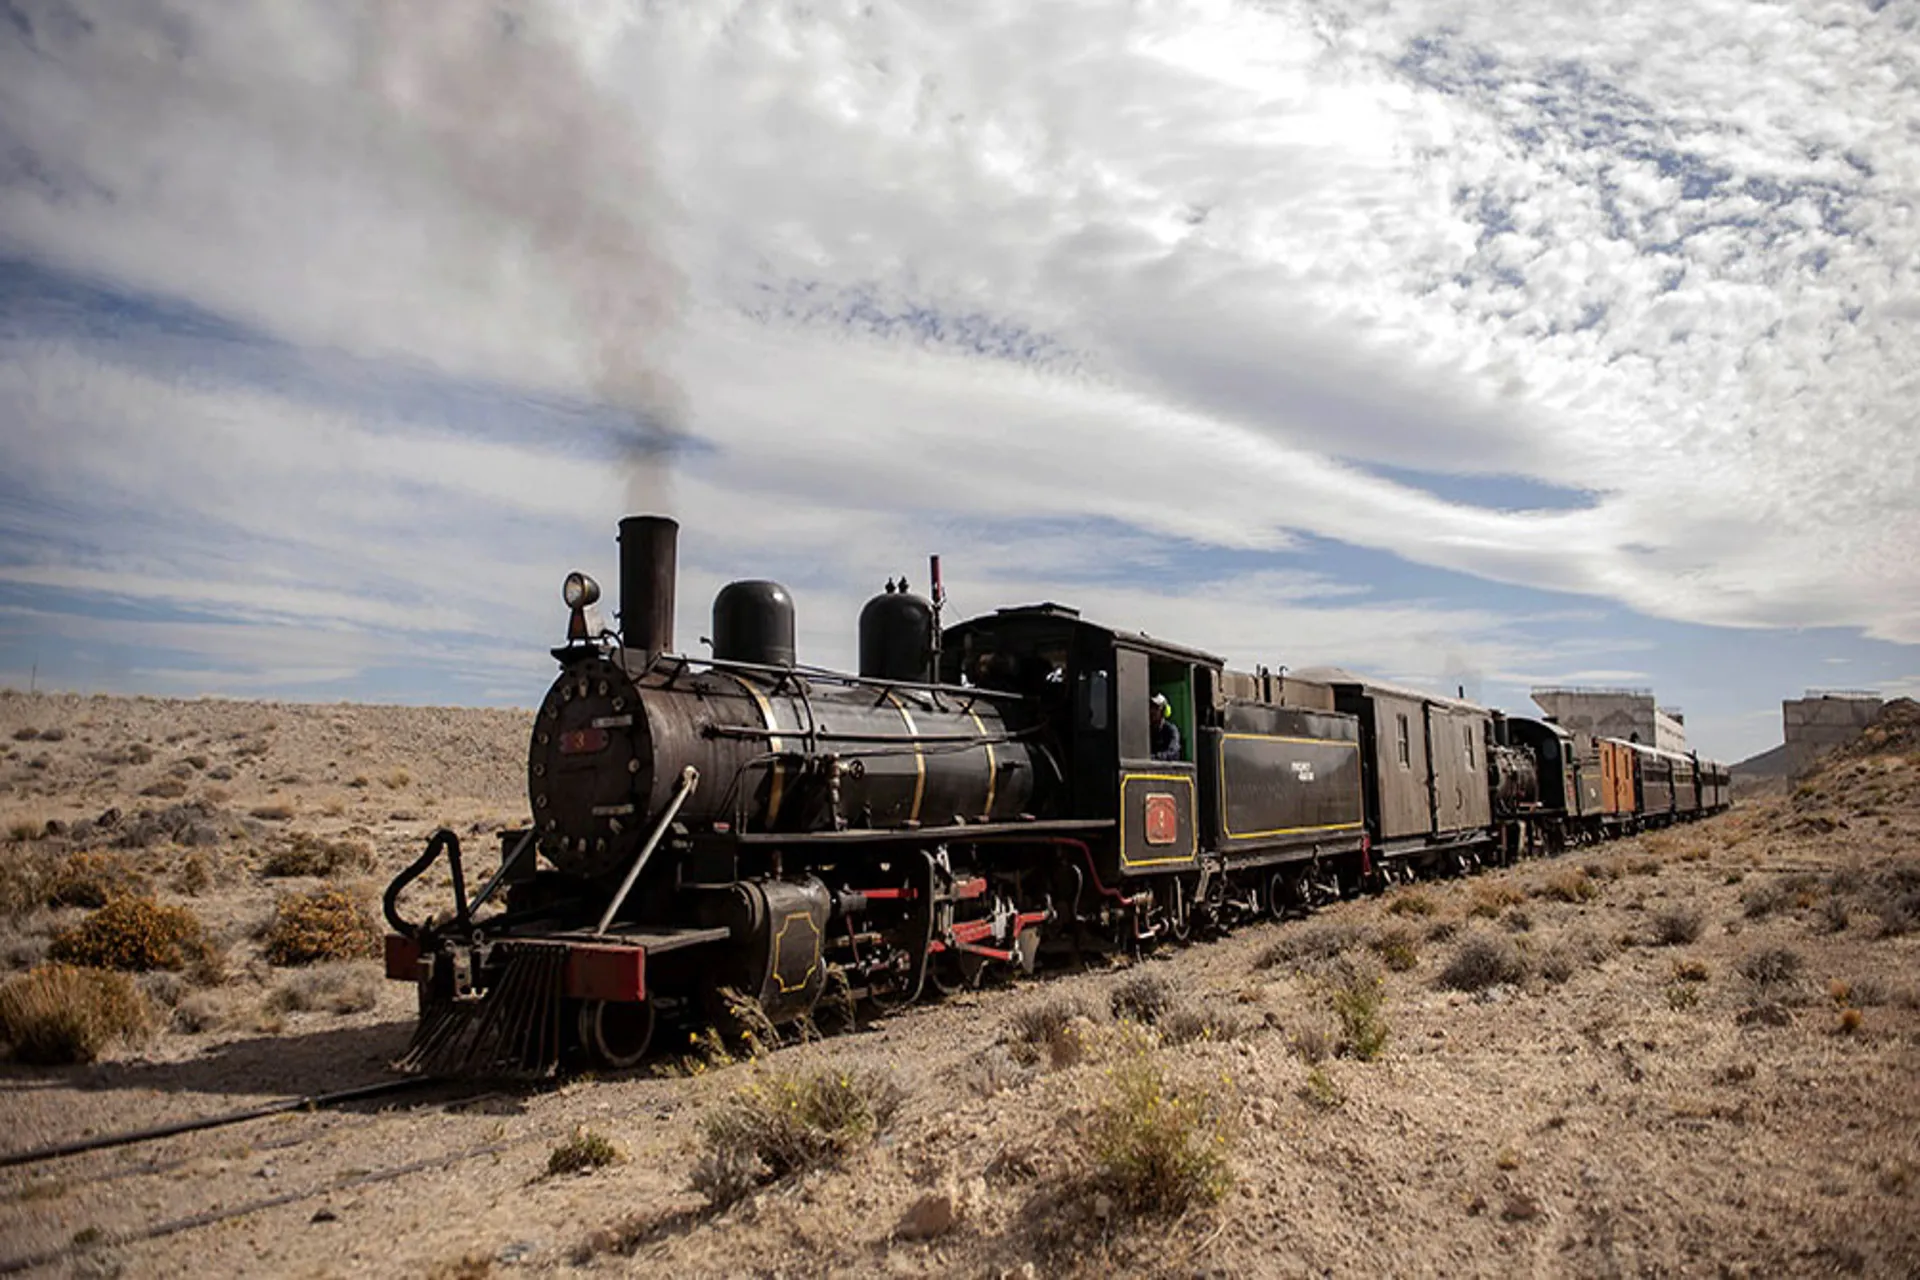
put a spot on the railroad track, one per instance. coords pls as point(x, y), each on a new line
point(91, 1240)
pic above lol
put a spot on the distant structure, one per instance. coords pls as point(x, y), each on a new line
point(1823, 720)
point(1629, 714)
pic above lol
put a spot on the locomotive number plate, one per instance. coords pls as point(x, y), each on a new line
point(1163, 818)
point(581, 742)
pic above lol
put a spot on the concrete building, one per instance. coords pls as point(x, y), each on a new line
point(1823, 720)
point(1629, 714)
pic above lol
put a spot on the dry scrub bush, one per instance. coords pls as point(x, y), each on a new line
point(93, 880)
point(1397, 947)
point(1569, 885)
point(23, 879)
point(1312, 1043)
point(1186, 1023)
point(1315, 945)
point(1357, 997)
point(1490, 899)
point(203, 1011)
point(1159, 1145)
point(1320, 1090)
point(788, 1123)
point(584, 1152)
point(136, 934)
point(1141, 998)
point(325, 924)
point(58, 1014)
point(1412, 902)
point(194, 875)
point(310, 855)
point(1676, 926)
point(1048, 1030)
point(1483, 960)
point(1771, 967)
point(334, 988)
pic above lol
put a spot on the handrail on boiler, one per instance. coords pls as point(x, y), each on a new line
point(689, 779)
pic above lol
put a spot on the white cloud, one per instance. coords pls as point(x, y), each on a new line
point(1179, 271)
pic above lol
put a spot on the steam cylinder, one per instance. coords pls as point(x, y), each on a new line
point(753, 622)
point(896, 637)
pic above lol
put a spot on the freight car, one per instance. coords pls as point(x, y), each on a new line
point(743, 832)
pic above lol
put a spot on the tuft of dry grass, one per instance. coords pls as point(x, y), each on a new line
point(1413, 902)
point(1771, 967)
point(309, 855)
point(1572, 884)
point(1357, 998)
point(194, 876)
point(1316, 945)
point(786, 1123)
point(340, 987)
point(89, 879)
point(1141, 998)
point(1320, 1090)
point(60, 1014)
point(584, 1152)
point(1186, 1023)
point(1676, 926)
point(1158, 1144)
point(1398, 948)
point(1483, 960)
point(1050, 1030)
point(1572, 952)
point(136, 934)
point(325, 924)
point(1490, 899)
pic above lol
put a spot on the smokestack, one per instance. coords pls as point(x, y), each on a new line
point(648, 553)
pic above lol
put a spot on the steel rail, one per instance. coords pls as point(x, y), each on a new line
point(132, 1137)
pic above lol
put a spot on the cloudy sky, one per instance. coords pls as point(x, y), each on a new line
point(1466, 343)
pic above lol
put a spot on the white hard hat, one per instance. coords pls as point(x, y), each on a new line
point(1160, 700)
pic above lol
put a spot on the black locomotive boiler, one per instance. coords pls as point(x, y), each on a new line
point(744, 832)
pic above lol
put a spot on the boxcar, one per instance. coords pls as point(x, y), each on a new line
point(1424, 765)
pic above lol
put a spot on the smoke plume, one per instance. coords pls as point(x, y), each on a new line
point(508, 114)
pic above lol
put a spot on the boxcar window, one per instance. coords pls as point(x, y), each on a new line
point(1405, 742)
point(1466, 732)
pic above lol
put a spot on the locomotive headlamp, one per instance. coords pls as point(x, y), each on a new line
point(580, 591)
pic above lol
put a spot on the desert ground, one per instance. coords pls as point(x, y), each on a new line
point(1689, 1053)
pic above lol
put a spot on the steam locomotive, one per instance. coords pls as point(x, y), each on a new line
point(713, 835)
